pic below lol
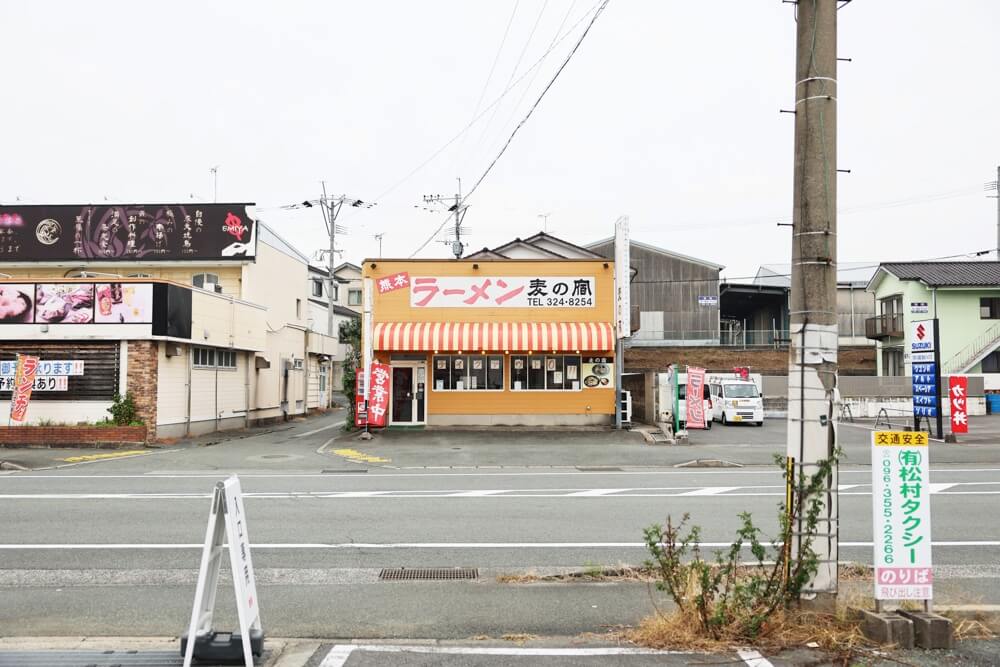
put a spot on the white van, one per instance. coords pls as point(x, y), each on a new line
point(736, 400)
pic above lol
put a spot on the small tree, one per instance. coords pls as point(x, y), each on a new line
point(123, 411)
point(350, 335)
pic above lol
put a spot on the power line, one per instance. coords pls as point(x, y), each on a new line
point(534, 106)
point(482, 113)
point(513, 73)
point(493, 67)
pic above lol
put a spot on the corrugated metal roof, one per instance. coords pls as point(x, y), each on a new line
point(947, 274)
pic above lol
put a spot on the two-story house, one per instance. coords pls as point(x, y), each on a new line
point(199, 310)
point(963, 296)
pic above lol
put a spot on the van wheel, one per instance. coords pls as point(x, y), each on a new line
point(708, 425)
point(725, 422)
point(760, 423)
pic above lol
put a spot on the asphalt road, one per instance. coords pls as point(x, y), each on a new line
point(112, 547)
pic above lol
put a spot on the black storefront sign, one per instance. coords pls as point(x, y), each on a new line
point(127, 233)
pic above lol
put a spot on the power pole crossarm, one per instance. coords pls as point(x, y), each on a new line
point(812, 376)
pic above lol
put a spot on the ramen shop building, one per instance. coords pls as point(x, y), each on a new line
point(495, 342)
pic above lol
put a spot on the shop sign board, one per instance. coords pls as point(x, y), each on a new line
point(378, 394)
point(922, 336)
point(708, 300)
point(919, 308)
point(598, 372)
point(924, 369)
point(902, 515)
point(24, 381)
point(694, 396)
point(958, 394)
point(227, 523)
point(58, 367)
point(502, 292)
point(128, 232)
point(42, 383)
point(76, 303)
point(623, 278)
point(394, 282)
point(360, 411)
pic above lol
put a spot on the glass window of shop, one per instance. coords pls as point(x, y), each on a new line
point(468, 372)
point(551, 372)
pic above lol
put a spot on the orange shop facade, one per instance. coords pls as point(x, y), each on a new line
point(495, 342)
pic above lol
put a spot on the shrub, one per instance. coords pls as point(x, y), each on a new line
point(123, 411)
point(733, 600)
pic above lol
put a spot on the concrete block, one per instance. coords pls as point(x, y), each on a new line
point(888, 628)
point(930, 631)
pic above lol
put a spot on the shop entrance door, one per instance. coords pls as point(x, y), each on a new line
point(408, 393)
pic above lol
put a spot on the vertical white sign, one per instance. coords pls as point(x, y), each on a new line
point(901, 505)
point(623, 301)
point(367, 330)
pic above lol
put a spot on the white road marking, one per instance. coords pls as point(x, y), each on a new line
point(339, 654)
point(597, 492)
point(866, 472)
point(753, 658)
point(716, 490)
point(278, 546)
point(320, 429)
point(943, 489)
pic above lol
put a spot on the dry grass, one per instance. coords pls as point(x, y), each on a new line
point(624, 572)
point(482, 638)
point(971, 629)
point(785, 629)
point(519, 637)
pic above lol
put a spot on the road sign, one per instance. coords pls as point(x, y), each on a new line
point(901, 506)
point(226, 522)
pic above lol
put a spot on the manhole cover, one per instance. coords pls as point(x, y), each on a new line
point(427, 573)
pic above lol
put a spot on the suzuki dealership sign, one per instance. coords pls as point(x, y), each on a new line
point(506, 292)
point(922, 336)
point(925, 369)
point(901, 505)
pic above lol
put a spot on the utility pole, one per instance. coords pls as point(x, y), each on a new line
point(331, 209)
point(545, 221)
point(812, 370)
point(458, 208)
point(994, 186)
point(215, 183)
point(378, 237)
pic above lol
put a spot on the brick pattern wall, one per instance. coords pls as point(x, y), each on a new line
point(67, 436)
point(142, 381)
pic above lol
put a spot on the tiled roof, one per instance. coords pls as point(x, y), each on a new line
point(947, 274)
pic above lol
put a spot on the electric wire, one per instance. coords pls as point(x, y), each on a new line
point(534, 106)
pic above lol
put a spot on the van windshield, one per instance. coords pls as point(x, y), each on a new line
point(741, 391)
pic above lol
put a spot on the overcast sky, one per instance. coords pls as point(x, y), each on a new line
point(669, 112)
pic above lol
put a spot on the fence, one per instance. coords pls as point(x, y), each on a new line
point(745, 338)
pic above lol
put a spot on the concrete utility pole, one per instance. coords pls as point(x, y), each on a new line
point(331, 209)
point(812, 371)
point(459, 209)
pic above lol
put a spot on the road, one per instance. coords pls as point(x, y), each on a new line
point(112, 547)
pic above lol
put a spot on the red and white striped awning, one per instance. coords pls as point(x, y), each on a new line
point(494, 336)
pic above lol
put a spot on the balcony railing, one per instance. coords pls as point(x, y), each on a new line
point(884, 326)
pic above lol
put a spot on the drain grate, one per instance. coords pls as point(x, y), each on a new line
point(427, 573)
point(598, 469)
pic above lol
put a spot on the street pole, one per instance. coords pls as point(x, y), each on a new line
point(331, 208)
point(998, 213)
point(812, 436)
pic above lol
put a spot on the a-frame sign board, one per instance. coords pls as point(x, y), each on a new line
point(227, 523)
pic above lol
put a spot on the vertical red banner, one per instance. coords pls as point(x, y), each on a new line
point(24, 380)
point(695, 397)
point(958, 394)
point(378, 394)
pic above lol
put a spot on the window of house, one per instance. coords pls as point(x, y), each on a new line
point(335, 291)
point(204, 357)
point(210, 357)
point(200, 280)
point(467, 372)
point(298, 309)
point(991, 363)
point(892, 361)
point(989, 308)
point(226, 359)
point(317, 287)
point(353, 297)
point(892, 305)
point(550, 372)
